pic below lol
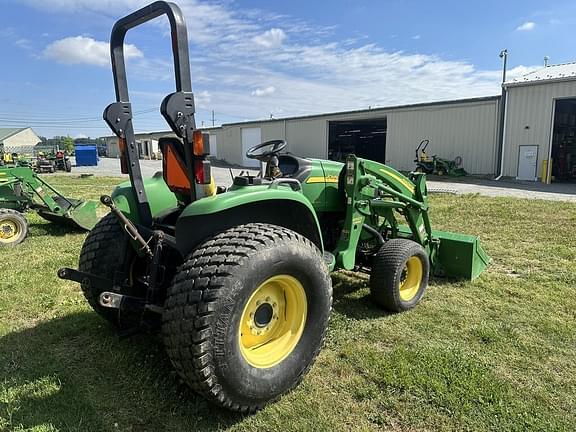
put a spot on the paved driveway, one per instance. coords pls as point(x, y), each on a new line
point(464, 185)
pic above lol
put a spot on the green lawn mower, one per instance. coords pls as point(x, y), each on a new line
point(237, 281)
point(436, 165)
point(21, 190)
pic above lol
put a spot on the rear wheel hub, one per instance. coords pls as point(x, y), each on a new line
point(273, 321)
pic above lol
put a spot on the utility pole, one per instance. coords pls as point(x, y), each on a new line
point(213, 121)
point(501, 131)
point(504, 57)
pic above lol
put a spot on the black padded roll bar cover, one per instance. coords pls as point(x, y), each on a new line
point(179, 45)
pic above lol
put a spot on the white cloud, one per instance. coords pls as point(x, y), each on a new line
point(264, 91)
point(23, 43)
point(238, 56)
point(203, 99)
point(85, 50)
point(527, 26)
point(272, 38)
point(416, 37)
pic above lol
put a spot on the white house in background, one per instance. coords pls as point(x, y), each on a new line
point(18, 140)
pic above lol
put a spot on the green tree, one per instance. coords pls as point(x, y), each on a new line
point(68, 144)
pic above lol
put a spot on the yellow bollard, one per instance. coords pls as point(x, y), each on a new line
point(546, 175)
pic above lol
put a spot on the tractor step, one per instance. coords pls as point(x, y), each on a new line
point(329, 260)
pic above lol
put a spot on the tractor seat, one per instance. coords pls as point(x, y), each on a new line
point(294, 167)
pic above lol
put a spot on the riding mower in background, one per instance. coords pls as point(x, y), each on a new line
point(238, 282)
point(61, 161)
point(436, 165)
point(21, 189)
point(44, 164)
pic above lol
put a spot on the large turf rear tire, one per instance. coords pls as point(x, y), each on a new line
point(210, 334)
point(13, 227)
point(399, 276)
point(104, 252)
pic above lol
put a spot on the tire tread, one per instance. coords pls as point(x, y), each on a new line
point(191, 306)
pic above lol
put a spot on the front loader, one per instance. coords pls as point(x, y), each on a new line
point(237, 281)
point(22, 189)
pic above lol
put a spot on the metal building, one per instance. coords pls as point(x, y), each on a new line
point(540, 125)
point(18, 140)
point(465, 128)
point(537, 140)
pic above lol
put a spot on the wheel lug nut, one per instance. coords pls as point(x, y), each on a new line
point(258, 302)
point(267, 299)
point(274, 304)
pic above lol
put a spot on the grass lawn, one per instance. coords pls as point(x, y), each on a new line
point(495, 354)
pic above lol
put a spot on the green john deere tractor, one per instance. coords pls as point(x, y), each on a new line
point(238, 281)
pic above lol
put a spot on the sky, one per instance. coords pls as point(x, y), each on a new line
point(253, 59)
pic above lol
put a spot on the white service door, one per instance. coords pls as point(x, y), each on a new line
point(527, 162)
point(250, 138)
point(213, 146)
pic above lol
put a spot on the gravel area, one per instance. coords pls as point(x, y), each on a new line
point(504, 188)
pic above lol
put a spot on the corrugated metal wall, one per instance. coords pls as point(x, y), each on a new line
point(466, 129)
point(529, 120)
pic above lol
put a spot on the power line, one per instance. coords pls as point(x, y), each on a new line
point(66, 120)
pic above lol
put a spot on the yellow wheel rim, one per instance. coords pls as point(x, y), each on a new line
point(273, 321)
point(9, 231)
point(411, 278)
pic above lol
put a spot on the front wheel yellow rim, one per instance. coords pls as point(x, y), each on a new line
point(273, 321)
point(9, 231)
point(411, 278)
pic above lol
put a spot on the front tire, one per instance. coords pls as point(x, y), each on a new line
point(399, 277)
point(247, 314)
point(13, 227)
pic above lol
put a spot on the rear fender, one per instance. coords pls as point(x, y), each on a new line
point(160, 197)
point(253, 204)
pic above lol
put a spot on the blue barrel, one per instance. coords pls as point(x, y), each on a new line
point(86, 155)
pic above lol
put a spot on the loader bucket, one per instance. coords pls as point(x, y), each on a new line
point(459, 256)
point(83, 214)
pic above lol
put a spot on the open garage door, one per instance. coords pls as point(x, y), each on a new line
point(564, 141)
point(364, 138)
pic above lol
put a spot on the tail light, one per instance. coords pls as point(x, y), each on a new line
point(202, 172)
point(201, 144)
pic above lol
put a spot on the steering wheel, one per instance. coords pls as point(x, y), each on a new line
point(266, 150)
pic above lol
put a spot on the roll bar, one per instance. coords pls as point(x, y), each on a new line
point(179, 45)
point(177, 108)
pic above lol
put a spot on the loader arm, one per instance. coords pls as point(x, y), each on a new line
point(36, 190)
point(21, 189)
point(397, 206)
point(375, 195)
